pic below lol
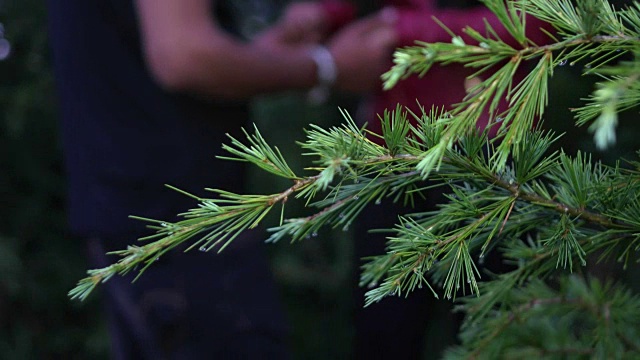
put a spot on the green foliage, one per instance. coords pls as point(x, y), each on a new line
point(573, 319)
point(315, 276)
point(550, 215)
point(594, 30)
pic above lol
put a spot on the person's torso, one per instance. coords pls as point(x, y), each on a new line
point(124, 137)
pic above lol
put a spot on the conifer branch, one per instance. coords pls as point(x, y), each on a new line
point(584, 37)
point(543, 212)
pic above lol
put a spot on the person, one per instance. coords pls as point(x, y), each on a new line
point(148, 90)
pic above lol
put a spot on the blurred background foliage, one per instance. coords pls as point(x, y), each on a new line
point(39, 263)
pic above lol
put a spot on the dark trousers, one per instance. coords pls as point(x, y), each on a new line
point(194, 305)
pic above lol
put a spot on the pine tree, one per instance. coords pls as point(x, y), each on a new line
point(551, 215)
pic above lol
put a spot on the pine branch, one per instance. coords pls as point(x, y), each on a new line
point(570, 314)
point(220, 220)
point(584, 36)
point(544, 213)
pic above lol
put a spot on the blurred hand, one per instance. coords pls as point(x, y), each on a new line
point(362, 52)
point(305, 21)
point(302, 24)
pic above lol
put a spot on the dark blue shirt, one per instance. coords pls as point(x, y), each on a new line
point(124, 137)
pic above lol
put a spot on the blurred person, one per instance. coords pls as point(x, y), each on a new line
point(148, 91)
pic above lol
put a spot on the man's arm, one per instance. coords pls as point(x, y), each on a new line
point(186, 50)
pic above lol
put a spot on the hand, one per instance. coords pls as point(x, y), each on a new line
point(302, 23)
point(305, 21)
point(362, 52)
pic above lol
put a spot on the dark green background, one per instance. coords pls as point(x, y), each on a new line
point(39, 263)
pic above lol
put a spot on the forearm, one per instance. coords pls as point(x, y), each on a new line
point(223, 67)
point(186, 51)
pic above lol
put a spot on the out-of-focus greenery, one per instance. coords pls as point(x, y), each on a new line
point(37, 261)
